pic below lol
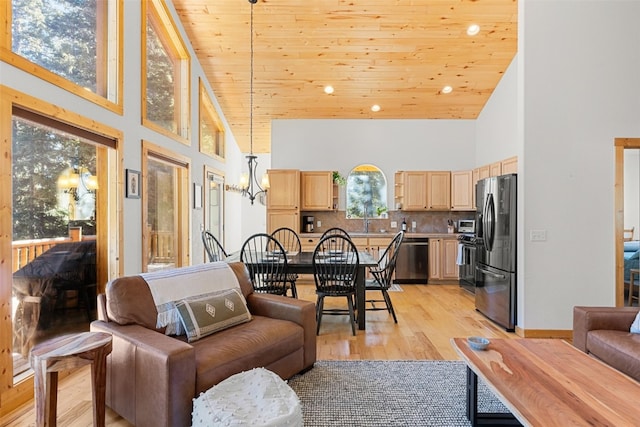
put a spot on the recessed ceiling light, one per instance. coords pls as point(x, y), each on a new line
point(328, 89)
point(473, 29)
point(447, 89)
point(375, 108)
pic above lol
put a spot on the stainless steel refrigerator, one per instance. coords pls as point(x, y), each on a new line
point(496, 249)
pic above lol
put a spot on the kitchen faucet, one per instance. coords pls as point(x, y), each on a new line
point(366, 220)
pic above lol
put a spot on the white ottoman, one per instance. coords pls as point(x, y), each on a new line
point(253, 398)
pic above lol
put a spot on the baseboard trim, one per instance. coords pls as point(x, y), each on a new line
point(544, 333)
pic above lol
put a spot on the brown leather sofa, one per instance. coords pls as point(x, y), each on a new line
point(152, 377)
point(604, 333)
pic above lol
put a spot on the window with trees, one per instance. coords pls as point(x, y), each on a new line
point(166, 62)
point(366, 192)
point(211, 130)
point(55, 245)
point(166, 208)
point(83, 58)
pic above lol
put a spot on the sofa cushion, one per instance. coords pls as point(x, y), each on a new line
point(258, 343)
point(206, 314)
point(620, 349)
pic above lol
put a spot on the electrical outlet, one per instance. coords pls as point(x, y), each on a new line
point(414, 225)
point(538, 235)
point(319, 223)
point(394, 224)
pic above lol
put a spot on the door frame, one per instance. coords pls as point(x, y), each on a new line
point(620, 145)
point(110, 215)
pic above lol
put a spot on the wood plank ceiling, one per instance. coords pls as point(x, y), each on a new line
point(399, 54)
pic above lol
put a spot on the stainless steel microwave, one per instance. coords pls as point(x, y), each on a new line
point(466, 226)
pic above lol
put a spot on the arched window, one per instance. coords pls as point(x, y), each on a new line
point(366, 192)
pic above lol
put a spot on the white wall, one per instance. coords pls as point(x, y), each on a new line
point(391, 145)
point(581, 89)
point(496, 126)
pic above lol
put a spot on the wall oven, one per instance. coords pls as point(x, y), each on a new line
point(467, 261)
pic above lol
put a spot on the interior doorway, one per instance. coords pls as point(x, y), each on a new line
point(627, 215)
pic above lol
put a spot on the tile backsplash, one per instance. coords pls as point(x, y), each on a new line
point(426, 222)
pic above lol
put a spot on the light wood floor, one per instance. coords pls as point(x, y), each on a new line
point(428, 317)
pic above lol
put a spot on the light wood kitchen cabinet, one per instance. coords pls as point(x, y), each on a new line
point(462, 191)
point(398, 190)
point(510, 165)
point(308, 244)
point(426, 190)
point(476, 177)
point(450, 269)
point(277, 218)
point(443, 254)
point(435, 259)
point(495, 169)
point(317, 190)
point(284, 191)
point(439, 191)
point(283, 199)
point(484, 172)
point(362, 243)
point(415, 191)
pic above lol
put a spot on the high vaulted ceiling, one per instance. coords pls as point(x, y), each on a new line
point(398, 54)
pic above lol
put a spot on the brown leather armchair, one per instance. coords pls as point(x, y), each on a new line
point(152, 378)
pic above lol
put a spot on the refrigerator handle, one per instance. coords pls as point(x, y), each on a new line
point(490, 222)
point(491, 273)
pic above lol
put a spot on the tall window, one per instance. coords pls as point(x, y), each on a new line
point(366, 192)
point(54, 236)
point(166, 73)
point(165, 218)
point(211, 130)
point(82, 57)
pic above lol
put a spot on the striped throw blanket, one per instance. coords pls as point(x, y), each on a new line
point(169, 286)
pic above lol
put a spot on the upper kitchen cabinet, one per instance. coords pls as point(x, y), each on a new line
point(283, 199)
point(495, 169)
point(414, 190)
point(424, 190)
point(439, 191)
point(462, 191)
point(484, 172)
point(317, 191)
point(509, 165)
point(284, 189)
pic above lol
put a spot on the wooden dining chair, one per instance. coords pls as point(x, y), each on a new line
point(628, 234)
point(290, 241)
point(336, 231)
point(382, 276)
point(214, 249)
point(266, 261)
point(335, 266)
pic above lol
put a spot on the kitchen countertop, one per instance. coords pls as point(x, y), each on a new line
point(407, 235)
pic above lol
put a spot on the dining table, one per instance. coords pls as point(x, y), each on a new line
point(302, 263)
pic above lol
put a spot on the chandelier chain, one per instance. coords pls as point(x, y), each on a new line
point(251, 86)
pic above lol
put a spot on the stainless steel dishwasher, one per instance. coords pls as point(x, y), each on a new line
point(412, 263)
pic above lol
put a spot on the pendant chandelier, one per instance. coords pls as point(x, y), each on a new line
point(249, 183)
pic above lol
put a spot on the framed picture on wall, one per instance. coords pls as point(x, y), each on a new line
point(133, 184)
point(197, 196)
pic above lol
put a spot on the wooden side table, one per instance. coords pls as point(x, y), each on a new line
point(69, 352)
point(632, 275)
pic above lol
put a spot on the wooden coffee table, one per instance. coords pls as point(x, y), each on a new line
point(548, 382)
